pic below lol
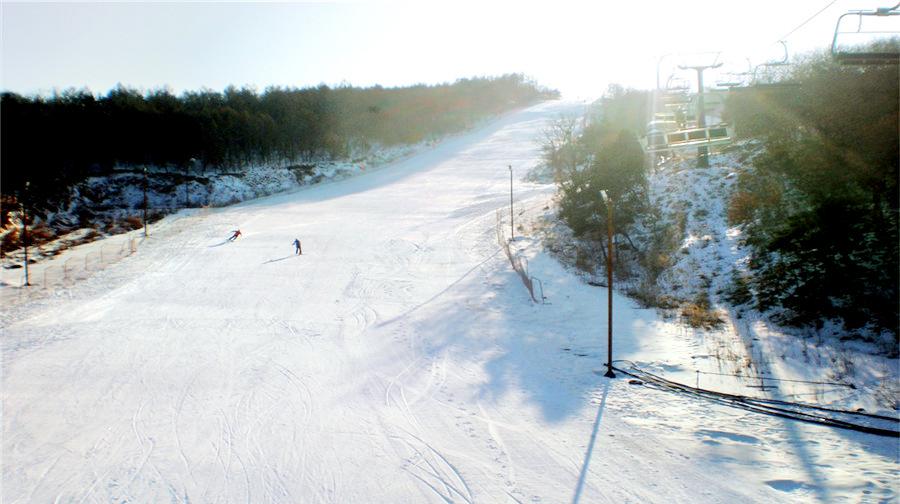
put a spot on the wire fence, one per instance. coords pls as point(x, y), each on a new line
point(519, 263)
point(85, 255)
point(56, 274)
point(49, 275)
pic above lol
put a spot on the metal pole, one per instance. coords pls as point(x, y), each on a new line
point(609, 283)
point(145, 202)
point(186, 194)
point(512, 230)
point(658, 63)
point(25, 228)
point(703, 151)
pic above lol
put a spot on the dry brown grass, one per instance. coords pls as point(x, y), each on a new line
point(700, 315)
point(37, 235)
point(133, 222)
point(10, 240)
point(648, 296)
point(584, 261)
point(41, 234)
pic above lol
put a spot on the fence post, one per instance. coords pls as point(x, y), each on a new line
point(541, 285)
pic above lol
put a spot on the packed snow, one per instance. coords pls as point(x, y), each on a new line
point(107, 205)
point(398, 359)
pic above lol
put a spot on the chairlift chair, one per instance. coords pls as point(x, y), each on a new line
point(709, 136)
point(765, 76)
point(732, 80)
point(685, 116)
point(865, 54)
point(677, 85)
point(769, 76)
point(767, 80)
point(784, 57)
point(672, 102)
point(664, 116)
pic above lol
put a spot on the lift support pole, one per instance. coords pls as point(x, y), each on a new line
point(702, 152)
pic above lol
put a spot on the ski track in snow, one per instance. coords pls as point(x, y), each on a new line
point(399, 359)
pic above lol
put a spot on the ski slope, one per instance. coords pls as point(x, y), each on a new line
point(399, 359)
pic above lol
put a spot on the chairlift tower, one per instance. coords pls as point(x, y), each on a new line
point(702, 151)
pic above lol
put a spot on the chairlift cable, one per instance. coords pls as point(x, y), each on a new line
point(801, 25)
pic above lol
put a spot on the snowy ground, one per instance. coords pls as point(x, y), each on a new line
point(399, 359)
point(112, 200)
point(748, 343)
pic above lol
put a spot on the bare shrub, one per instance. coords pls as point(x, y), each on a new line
point(41, 234)
point(585, 262)
point(133, 222)
point(10, 241)
point(699, 313)
point(742, 207)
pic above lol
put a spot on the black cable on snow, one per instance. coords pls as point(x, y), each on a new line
point(790, 410)
point(849, 385)
point(823, 408)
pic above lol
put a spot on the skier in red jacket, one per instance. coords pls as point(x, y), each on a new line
point(237, 232)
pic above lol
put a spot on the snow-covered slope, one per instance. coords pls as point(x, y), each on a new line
point(399, 359)
point(748, 343)
point(108, 205)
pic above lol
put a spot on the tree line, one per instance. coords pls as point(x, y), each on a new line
point(57, 141)
point(818, 201)
point(820, 206)
point(599, 163)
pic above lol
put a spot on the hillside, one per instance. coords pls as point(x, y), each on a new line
point(398, 359)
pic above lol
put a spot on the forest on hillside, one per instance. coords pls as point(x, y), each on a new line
point(816, 199)
point(57, 141)
point(820, 206)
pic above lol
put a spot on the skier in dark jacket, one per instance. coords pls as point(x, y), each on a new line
point(237, 232)
point(298, 250)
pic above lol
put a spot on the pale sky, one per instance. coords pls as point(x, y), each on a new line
point(577, 47)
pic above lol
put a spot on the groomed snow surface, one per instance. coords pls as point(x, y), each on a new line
point(399, 359)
